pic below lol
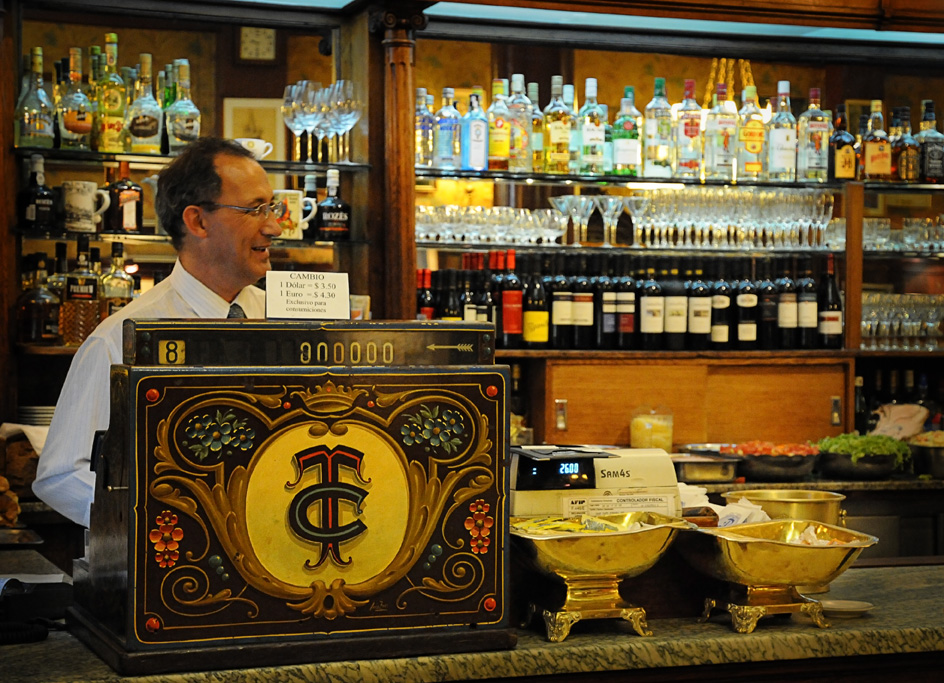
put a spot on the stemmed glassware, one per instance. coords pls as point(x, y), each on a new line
point(581, 208)
point(636, 206)
point(293, 116)
point(561, 204)
point(307, 92)
point(610, 207)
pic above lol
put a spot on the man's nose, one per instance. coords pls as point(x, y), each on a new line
point(272, 226)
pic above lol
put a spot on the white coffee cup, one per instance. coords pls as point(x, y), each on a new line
point(259, 148)
point(299, 211)
point(79, 198)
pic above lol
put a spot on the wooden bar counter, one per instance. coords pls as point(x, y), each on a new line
point(901, 638)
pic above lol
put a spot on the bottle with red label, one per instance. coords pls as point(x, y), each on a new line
point(424, 295)
point(510, 332)
point(125, 213)
point(688, 141)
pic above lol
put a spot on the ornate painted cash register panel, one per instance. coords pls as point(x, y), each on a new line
point(282, 492)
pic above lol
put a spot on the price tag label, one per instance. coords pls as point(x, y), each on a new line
point(297, 295)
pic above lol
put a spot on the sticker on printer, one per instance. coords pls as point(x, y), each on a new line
point(614, 505)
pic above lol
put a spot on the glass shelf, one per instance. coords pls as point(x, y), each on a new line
point(619, 248)
point(48, 236)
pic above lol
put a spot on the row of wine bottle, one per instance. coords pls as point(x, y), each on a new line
point(603, 300)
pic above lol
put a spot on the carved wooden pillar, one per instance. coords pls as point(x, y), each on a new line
point(398, 27)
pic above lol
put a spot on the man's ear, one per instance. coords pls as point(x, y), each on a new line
point(193, 220)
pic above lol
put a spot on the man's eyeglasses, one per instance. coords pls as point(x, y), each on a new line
point(276, 208)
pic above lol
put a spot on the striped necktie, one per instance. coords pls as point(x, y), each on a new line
point(236, 311)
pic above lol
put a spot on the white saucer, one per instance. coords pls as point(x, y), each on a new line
point(845, 609)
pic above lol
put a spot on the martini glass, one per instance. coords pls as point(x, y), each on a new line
point(610, 208)
point(581, 208)
point(636, 205)
point(562, 204)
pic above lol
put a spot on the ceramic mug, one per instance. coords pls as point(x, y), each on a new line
point(299, 211)
point(79, 198)
point(259, 148)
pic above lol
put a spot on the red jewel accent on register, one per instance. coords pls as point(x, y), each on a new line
point(152, 395)
point(491, 391)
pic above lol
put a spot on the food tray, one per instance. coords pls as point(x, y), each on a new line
point(840, 466)
point(704, 469)
point(777, 467)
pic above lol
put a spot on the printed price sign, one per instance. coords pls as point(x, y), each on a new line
point(307, 296)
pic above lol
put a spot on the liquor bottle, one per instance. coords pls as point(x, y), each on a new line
point(474, 137)
point(126, 209)
point(813, 134)
point(424, 295)
point(582, 307)
point(723, 295)
point(183, 116)
point(604, 302)
point(519, 122)
point(112, 102)
point(91, 90)
point(721, 128)
point(145, 120)
point(558, 124)
point(767, 297)
point(116, 287)
point(591, 124)
point(467, 298)
point(787, 312)
point(747, 309)
point(931, 143)
point(33, 120)
point(688, 139)
point(607, 140)
point(450, 309)
point(906, 152)
point(626, 304)
point(36, 203)
point(37, 309)
point(333, 216)
point(782, 138)
point(575, 140)
point(498, 281)
point(651, 312)
point(310, 231)
point(536, 313)
point(830, 309)
point(423, 131)
point(893, 395)
point(537, 130)
point(676, 306)
point(861, 407)
point(171, 82)
point(446, 133)
point(79, 312)
point(842, 156)
point(627, 145)
point(751, 139)
point(510, 335)
point(859, 148)
point(485, 302)
point(74, 109)
point(807, 305)
point(658, 152)
point(562, 300)
point(876, 149)
point(57, 272)
point(499, 128)
point(699, 310)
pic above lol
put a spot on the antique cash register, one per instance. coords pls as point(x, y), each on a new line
point(280, 492)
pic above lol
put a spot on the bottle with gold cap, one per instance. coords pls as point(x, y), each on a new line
point(112, 103)
point(876, 148)
point(33, 121)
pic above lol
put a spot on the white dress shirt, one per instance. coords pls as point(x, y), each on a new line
point(63, 478)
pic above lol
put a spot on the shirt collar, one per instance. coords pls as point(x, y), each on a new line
point(205, 302)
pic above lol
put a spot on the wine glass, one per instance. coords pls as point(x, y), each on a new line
point(293, 117)
point(349, 113)
point(610, 208)
point(309, 112)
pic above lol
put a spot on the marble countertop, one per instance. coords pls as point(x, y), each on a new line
point(903, 484)
point(908, 617)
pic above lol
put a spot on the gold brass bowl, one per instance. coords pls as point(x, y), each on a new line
point(765, 562)
point(592, 565)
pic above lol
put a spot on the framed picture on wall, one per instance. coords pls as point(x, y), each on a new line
point(256, 118)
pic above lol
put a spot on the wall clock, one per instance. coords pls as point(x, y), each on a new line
point(257, 44)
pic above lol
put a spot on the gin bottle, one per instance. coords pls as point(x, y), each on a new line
point(931, 143)
point(627, 145)
point(145, 118)
point(446, 137)
point(592, 125)
point(688, 141)
point(474, 137)
point(782, 138)
point(75, 110)
point(183, 116)
point(519, 144)
point(721, 128)
point(112, 104)
point(33, 120)
point(751, 139)
point(537, 130)
point(558, 125)
point(423, 130)
point(658, 148)
point(813, 132)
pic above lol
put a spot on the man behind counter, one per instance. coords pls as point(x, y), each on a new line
point(215, 202)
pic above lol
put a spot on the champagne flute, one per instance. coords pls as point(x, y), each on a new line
point(307, 91)
point(292, 118)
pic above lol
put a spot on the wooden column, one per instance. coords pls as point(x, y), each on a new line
point(399, 253)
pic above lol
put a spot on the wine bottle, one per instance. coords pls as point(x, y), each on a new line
point(722, 294)
point(512, 295)
point(604, 303)
point(536, 310)
point(651, 312)
point(125, 212)
point(747, 309)
point(676, 306)
point(451, 309)
point(830, 309)
point(807, 310)
point(467, 300)
point(699, 310)
point(498, 280)
point(786, 308)
point(562, 304)
point(582, 307)
point(626, 288)
point(424, 295)
point(485, 299)
point(861, 407)
point(767, 308)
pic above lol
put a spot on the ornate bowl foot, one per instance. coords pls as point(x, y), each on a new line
point(637, 617)
point(558, 624)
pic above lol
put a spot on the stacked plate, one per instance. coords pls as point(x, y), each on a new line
point(35, 415)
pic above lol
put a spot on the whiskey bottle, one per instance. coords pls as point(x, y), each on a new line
point(658, 153)
point(334, 214)
point(721, 128)
point(782, 138)
point(58, 271)
point(906, 153)
point(842, 156)
point(183, 116)
point(112, 102)
point(568, 96)
point(75, 110)
point(499, 128)
point(931, 143)
point(33, 119)
point(125, 213)
point(36, 203)
point(145, 117)
point(688, 139)
point(558, 124)
point(876, 149)
point(751, 139)
point(813, 134)
point(80, 312)
point(37, 309)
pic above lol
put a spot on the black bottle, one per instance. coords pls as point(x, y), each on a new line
point(582, 307)
point(722, 309)
point(498, 281)
point(310, 231)
point(467, 299)
point(334, 214)
point(451, 308)
point(562, 300)
point(651, 312)
point(767, 308)
point(625, 286)
point(484, 300)
point(535, 309)
point(787, 311)
point(36, 203)
point(604, 303)
point(862, 410)
point(424, 295)
point(512, 298)
point(829, 330)
point(807, 307)
point(676, 306)
point(747, 309)
point(699, 310)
